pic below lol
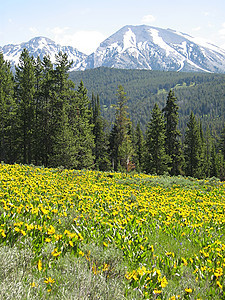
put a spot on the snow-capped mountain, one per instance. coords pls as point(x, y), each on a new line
point(41, 46)
point(146, 47)
point(134, 47)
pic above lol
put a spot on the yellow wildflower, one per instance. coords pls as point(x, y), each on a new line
point(55, 253)
point(39, 265)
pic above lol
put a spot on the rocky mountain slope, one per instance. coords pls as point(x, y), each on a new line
point(134, 47)
point(41, 46)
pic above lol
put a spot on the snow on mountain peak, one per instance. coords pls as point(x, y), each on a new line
point(133, 47)
point(41, 46)
point(129, 39)
point(158, 40)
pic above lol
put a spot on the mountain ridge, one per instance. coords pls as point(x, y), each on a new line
point(41, 46)
point(133, 47)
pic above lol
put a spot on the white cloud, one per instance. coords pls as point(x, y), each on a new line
point(148, 19)
point(206, 13)
point(58, 30)
point(34, 30)
point(84, 41)
point(196, 29)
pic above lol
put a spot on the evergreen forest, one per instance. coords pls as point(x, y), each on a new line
point(202, 93)
point(112, 120)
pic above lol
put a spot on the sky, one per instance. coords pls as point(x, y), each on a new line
point(84, 24)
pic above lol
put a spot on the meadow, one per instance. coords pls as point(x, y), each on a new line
point(68, 234)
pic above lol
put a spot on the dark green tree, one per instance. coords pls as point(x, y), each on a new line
point(192, 148)
point(156, 159)
point(25, 91)
point(46, 127)
point(83, 129)
point(206, 152)
point(222, 142)
point(221, 155)
point(120, 139)
point(101, 144)
point(139, 149)
point(214, 162)
point(7, 113)
point(172, 142)
point(38, 106)
point(61, 134)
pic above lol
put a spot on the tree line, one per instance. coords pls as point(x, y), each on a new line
point(45, 120)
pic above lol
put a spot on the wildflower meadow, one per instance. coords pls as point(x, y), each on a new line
point(68, 234)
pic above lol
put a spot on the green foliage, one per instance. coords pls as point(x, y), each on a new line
point(101, 143)
point(25, 91)
point(44, 120)
point(7, 112)
point(156, 159)
point(198, 92)
point(121, 145)
point(172, 141)
point(83, 129)
point(139, 149)
point(192, 148)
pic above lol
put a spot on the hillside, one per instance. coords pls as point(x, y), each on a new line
point(203, 93)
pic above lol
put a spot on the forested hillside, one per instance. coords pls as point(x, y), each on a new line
point(47, 120)
point(204, 94)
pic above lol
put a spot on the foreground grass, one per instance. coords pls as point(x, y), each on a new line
point(68, 234)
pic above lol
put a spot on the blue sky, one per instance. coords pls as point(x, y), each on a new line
point(85, 23)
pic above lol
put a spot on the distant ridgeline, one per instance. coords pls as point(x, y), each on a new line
point(202, 93)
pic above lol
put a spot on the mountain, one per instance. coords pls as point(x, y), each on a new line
point(43, 46)
point(134, 47)
point(146, 47)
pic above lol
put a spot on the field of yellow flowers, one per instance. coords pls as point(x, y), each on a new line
point(159, 237)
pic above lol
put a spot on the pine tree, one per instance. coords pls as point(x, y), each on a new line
point(7, 113)
point(156, 159)
point(38, 106)
point(172, 145)
point(192, 148)
point(120, 140)
point(101, 144)
point(46, 122)
point(214, 162)
point(222, 142)
point(222, 155)
point(61, 134)
point(207, 153)
point(83, 129)
point(139, 148)
point(25, 91)
point(202, 153)
point(114, 147)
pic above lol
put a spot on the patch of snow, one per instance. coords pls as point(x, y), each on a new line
point(202, 42)
point(181, 66)
point(129, 40)
point(42, 43)
point(160, 42)
point(13, 57)
point(142, 45)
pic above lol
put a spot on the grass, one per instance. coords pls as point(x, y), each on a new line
point(18, 279)
point(68, 234)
